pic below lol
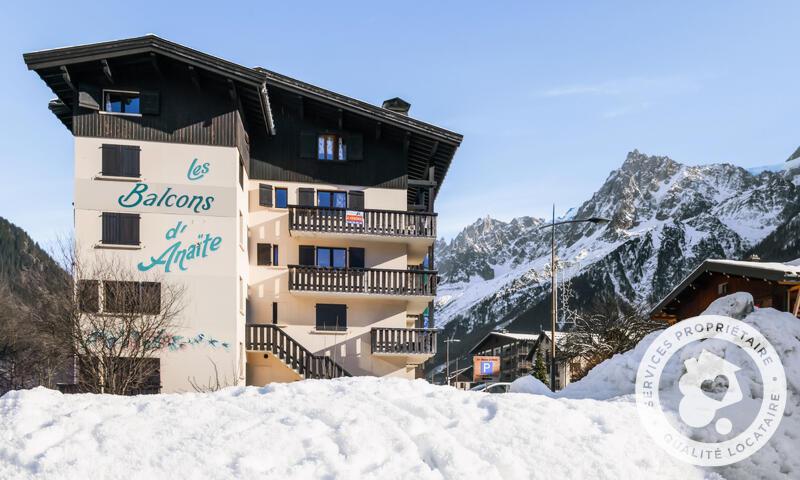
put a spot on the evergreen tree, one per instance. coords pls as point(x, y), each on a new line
point(540, 370)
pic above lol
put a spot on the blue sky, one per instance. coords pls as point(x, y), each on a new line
point(550, 97)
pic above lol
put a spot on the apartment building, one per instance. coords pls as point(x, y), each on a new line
point(301, 222)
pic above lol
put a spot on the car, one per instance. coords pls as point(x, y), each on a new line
point(499, 387)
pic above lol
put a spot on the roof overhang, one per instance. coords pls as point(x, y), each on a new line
point(428, 145)
point(53, 67)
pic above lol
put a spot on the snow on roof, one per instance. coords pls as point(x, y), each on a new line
point(789, 267)
point(518, 336)
point(509, 335)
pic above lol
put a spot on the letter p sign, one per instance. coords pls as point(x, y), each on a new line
point(487, 368)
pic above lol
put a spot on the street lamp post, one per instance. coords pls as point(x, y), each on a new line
point(447, 355)
point(554, 287)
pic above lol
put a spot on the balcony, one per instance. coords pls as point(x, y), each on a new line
point(375, 282)
point(419, 343)
point(390, 223)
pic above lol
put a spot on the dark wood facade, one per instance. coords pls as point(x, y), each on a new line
point(205, 100)
point(712, 280)
point(513, 350)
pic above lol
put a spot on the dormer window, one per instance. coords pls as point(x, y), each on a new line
point(121, 102)
point(331, 148)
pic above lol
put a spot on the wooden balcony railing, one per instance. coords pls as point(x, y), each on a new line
point(375, 281)
point(411, 341)
point(367, 222)
point(271, 338)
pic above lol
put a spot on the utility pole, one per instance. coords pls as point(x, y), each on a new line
point(447, 355)
point(554, 286)
point(554, 302)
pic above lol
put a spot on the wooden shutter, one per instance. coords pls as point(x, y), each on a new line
point(149, 298)
point(355, 147)
point(90, 96)
point(112, 160)
point(355, 200)
point(110, 228)
point(308, 144)
point(305, 197)
point(130, 161)
point(356, 257)
point(264, 254)
point(128, 228)
point(121, 160)
point(149, 102)
point(89, 296)
point(307, 255)
point(265, 195)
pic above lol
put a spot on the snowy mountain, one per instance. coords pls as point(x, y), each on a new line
point(665, 219)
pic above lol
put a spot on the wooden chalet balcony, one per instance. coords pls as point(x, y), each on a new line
point(385, 223)
point(404, 341)
point(368, 281)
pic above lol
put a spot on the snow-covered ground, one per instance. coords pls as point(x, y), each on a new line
point(375, 428)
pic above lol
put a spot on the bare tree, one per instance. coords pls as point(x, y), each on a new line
point(115, 321)
point(611, 326)
point(215, 382)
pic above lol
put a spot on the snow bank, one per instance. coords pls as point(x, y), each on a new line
point(530, 384)
point(347, 428)
point(616, 377)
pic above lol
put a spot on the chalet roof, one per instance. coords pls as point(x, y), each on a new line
point(53, 66)
point(511, 336)
point(428, 145)
point(772, 271)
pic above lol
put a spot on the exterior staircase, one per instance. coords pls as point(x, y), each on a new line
point(271, 338)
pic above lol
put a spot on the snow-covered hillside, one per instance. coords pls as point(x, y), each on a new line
point(375, 428)
point(665, 219)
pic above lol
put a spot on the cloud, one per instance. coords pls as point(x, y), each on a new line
point(626, 110)
point(629, 86)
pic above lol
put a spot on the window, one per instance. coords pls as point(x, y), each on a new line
point(264, 254)
point(242, 295)
point(281, 198)
point(242, 230)
point(331, 147)
point(306, 255)
point(356, 257)
point(120, 229)
point(89, 296)
point(722, 289)
point(331, 317)
point(241, 172)
point(275, 255)
point(332, 199)
point(305, 197)
point(121, 102)
point(265, 195)
point(355, 200)
point(331, 257)
point(132, 297)
point(274, 313)
point(120, 161)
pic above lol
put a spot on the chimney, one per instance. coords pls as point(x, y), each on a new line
point(397, 105)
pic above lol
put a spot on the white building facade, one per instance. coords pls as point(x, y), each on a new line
point(298, 222)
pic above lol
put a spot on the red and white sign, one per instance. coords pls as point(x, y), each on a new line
point(354, 217)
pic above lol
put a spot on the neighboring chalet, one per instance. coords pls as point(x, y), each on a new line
point(513, 350)
point(565, 369)
point(300, 220)
point(774, 285)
